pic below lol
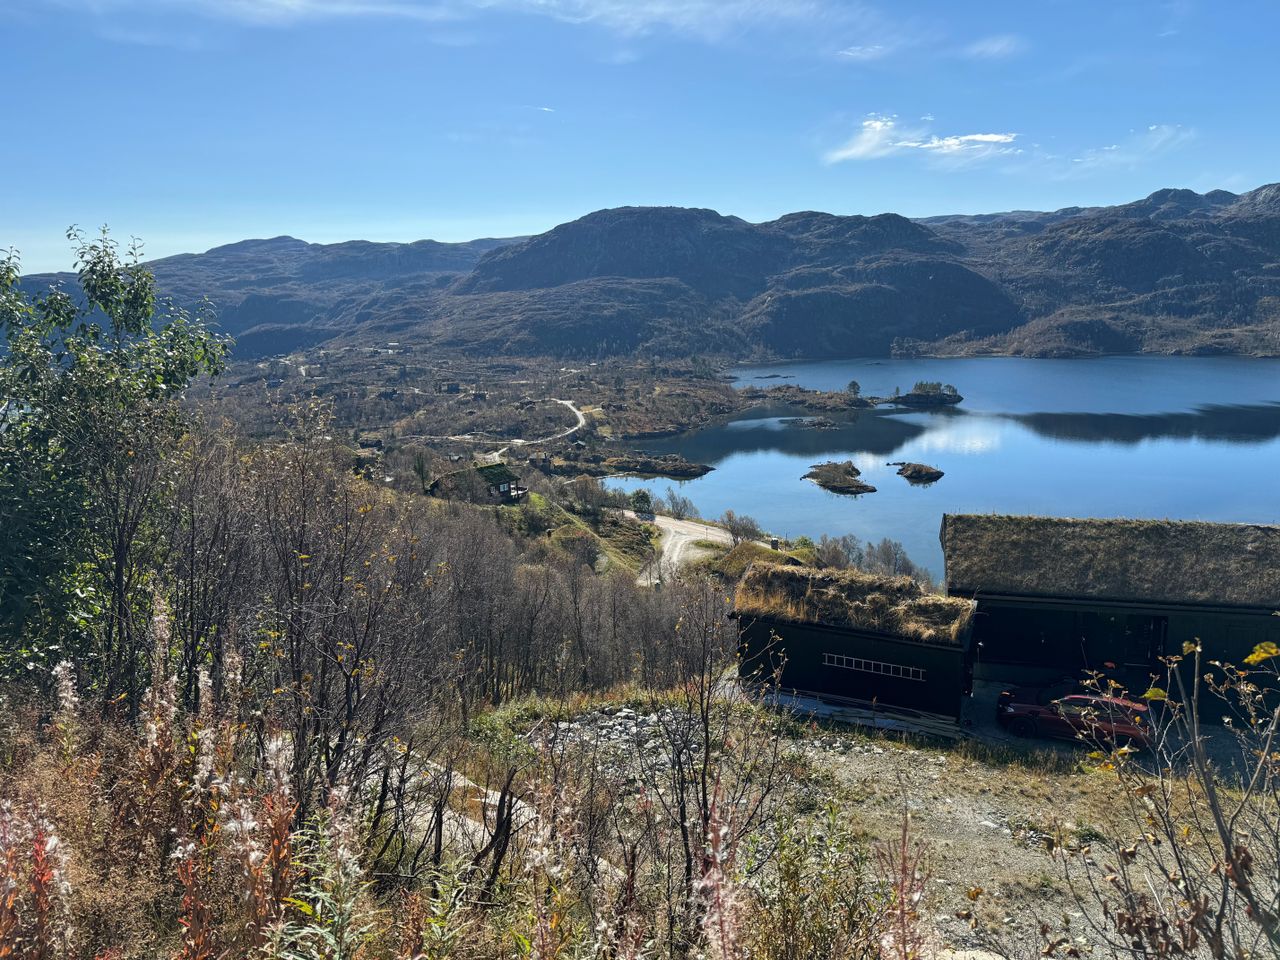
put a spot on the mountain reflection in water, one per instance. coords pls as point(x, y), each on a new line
point(1229, 424)
point(886, 433)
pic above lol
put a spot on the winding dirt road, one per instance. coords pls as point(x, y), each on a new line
point(472, 438)
point(582, 422)
point(678, 546)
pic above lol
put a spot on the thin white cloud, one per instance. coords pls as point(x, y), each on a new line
point(1137, 149)
point(876, 138)
point(881, 136)
point(865, 53)
point(263, 12)
point(705, 18)
point(996, 47)
point(802, 27)
point(709, 18)
point(1177, 13)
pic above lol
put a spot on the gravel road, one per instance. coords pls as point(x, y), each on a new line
point(679, 545)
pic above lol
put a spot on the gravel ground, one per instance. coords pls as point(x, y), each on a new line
point(987, 807)
point(985, 822)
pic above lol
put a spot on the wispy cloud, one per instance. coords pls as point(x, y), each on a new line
point(1135, 150)
point(855, 30)
point(271, 12)
point(882, 136)
point(998, 47)
point(1177, 12)
point(707, 18)
point(865, 52)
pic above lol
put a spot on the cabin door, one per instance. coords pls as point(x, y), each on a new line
point(1144, 640)
point(1117, 640)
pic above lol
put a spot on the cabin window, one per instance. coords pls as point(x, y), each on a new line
point(873, 666)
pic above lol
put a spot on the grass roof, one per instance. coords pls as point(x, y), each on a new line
point(496, 473)
point(852, 599)
point(1157, 561)
point(734, 564)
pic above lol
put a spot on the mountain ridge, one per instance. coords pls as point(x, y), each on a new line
point(1174, 272)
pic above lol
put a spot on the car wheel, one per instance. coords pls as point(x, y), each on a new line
point(1022, 727)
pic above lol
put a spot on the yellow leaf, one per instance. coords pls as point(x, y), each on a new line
point(1263, 651)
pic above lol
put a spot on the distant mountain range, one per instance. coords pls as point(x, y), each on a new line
point(1177, 272)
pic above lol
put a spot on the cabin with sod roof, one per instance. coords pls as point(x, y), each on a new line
point(1058, 596)
point(492, 481)
point(501, 481)
point(853, 638)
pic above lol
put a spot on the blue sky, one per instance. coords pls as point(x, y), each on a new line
point(191, 123)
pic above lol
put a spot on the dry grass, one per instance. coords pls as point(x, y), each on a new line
point(734, 563)
point(1159, 560)
point(851, 598)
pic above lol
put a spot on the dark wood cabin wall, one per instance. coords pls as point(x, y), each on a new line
point(1074, 637)
point(798, 652)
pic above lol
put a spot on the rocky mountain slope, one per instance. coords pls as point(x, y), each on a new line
point(1176, 272)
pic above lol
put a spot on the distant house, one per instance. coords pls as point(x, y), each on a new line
point(494, 481)
point(854, 638)
point(449, 386)
point(1057, 595)
point(502, 483)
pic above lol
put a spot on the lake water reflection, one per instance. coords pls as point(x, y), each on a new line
point(1187, 438)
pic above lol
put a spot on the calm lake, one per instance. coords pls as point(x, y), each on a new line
point(1185, 438)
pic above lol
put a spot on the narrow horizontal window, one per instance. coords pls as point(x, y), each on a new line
point(873, 666)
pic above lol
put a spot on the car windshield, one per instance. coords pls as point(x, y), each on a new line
point(1070, 707)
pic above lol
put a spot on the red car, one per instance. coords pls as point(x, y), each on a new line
point(1047, 712)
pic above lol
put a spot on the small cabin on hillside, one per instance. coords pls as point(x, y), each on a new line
point(853, 637)
point(501, 481)
point(492, 481)
point(1060, 596)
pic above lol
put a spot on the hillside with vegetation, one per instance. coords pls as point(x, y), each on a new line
point(261, 700)
point(1177, 272)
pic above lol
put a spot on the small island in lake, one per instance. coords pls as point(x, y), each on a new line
point(814, 401)
point(809, 423)
point(926, 393)
point(919, 473)
point(839, 478)
point(575, 462)
point(670, 465)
